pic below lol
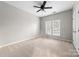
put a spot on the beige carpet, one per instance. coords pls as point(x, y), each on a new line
point(40, 47)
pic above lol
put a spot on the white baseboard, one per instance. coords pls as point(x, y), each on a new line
point(12, 43)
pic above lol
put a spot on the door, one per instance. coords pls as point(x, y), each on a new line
point(76, 27)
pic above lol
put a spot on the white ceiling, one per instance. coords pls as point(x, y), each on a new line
point(58, 6)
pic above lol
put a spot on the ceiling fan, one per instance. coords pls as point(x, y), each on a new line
point(42, 7)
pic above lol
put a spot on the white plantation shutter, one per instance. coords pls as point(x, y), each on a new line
point(52, 27)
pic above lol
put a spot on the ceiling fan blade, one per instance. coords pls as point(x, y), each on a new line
point(38, 10)
point(44, 3)
point(37, 6)
point(47, 7)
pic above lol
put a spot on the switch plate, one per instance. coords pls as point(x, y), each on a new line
point(78, 12)
point(78, 48)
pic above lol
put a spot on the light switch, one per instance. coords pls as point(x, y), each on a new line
point(78, 48)
point(78, 12)
point(78, 30)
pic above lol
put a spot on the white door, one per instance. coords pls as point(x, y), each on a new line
point(76, 27)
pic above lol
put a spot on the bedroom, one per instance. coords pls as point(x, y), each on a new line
point(39, 28)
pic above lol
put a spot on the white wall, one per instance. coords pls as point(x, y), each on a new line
point(16, 25)
point(65, 18)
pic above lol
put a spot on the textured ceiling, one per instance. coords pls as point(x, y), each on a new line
point(58, 6)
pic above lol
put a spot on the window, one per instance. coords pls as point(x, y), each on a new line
point(48, 27)
point(52, 27)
